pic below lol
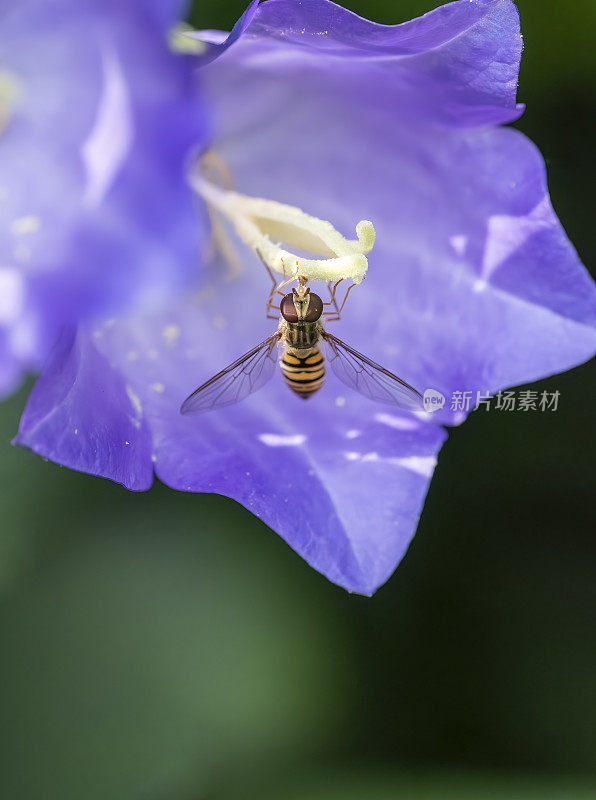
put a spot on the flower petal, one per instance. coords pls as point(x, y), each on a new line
point(217, 42)
point(461, 59)
point(472, 284)
point(348, 120)
point(82, 414)
point(94, 205)
point(341, 480)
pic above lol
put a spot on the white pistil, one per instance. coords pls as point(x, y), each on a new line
point(262, 224)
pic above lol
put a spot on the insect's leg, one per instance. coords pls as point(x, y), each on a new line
point(270, 308)
point(275, 288)
point(334, 314)
point(341, 308)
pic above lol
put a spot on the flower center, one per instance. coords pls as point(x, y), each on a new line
point(263, 225)
point(9, 91)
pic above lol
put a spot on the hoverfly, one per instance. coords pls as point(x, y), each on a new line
point(302, 364)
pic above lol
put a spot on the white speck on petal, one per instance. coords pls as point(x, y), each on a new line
point(422, 465)
point(373, 457)
point(158, 387)
point(135, 401)
point(340, 401)
point(424, 416)
point(398, 423)
point(170, 333)
point(353, 434)
point(24, 225)
point(278, 440)
point(459, 243)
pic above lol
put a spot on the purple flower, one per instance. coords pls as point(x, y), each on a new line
point(97, 115)
point(472, 285)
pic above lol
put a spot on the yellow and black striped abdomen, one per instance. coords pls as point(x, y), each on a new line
point(303, 374)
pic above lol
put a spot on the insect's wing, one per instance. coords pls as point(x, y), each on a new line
point(369, 378)
point(234, 383)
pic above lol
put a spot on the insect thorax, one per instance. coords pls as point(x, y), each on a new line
point(300, 335)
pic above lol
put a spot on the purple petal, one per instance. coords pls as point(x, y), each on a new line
point(217, 42)
point(95, 208)
point(460, 60)
point(472, 285)
point(82, 414)
point(342, 480)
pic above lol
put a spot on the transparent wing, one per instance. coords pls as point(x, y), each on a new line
point(370, 379)
point(234, 383)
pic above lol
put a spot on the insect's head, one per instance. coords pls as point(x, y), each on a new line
point(305, 306)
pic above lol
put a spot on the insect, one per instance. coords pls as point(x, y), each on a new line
point(302, 364)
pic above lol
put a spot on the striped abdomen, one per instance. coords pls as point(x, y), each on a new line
point(303, 374)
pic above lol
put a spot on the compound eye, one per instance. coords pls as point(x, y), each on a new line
point(315, 308)
point(288, 309)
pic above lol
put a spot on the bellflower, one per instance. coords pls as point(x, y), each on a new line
point(472, 284)
point(97, 115)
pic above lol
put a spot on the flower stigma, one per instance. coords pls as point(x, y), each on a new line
point(263, 225)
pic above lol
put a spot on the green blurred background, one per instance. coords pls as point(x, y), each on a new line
point(164, 645)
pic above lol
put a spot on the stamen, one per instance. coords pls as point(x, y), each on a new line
point(262, 224)
point(180, 42)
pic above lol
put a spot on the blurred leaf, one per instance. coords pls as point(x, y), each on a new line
point(156, 643)
point(18, 473)
point(378, 784)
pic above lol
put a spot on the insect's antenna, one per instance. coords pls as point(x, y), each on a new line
point(285, 283)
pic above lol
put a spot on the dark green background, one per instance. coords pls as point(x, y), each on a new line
point(163, 645)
